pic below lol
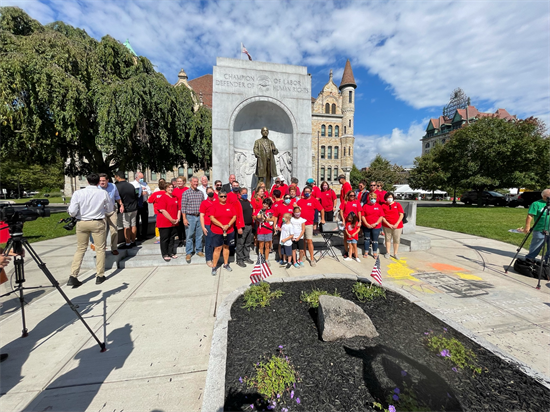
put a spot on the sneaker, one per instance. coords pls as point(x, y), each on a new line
point(297, 265)
point(366, 255)
point(313, 263)
point(288, 266)
point(188, 258)
point(214, 271)
point(241, 264)
point(345, 255)
point(301, 263)
point(282, 263)
point(74, 282)
point(200, 254)
point(386, 255)
point(395, 257)
point(209, 263)
point(228, 268)
point(126, 246)
point(357, 260)
point(347, 258)
point(268, 263)
point(100, 279)
point(249, 261)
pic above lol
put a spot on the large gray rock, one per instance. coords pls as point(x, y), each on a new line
point(341, 319)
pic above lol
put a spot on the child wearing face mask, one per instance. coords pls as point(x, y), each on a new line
point(299, 227)
point(392, 224)
point(372, 224)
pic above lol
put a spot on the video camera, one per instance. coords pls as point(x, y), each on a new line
point(31, 210)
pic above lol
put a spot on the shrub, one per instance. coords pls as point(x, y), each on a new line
point(260, 295)
point(367, 291)
point(454, 350)
point(273, 377)
point(312, 298)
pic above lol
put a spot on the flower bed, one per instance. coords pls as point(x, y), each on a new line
point(407, 367)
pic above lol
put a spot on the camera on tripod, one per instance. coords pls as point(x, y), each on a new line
point(31, 210)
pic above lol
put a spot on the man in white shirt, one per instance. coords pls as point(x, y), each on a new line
point(143, 207)
point(89, 206)
point(112, 217)
point(203, 186)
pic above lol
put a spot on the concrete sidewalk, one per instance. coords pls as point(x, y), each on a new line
point(158, 322)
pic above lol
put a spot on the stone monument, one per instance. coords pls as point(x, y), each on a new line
point(265, 151)
point(248, 96)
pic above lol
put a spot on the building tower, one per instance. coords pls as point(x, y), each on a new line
point(347, 90)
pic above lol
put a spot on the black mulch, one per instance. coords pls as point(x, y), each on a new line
point(350, 375)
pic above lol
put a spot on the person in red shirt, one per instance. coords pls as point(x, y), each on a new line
point(157, 194)
point(178, 191)
point(309, 205)
point(293, 184)
point(372, 224)
point(222, 218)
point(168, 216)
point(350, 204)
point(352, 229)
point(346, 187)
point(279, 184)
point(380, 192)
point(258, 198)
point(205, 211)
point(265, 226)
point(327, 198)
point(392, 224)
point(233, 199)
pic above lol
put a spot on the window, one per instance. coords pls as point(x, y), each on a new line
point(336, 173)
point(427, 145)
point(333, 108)
point(189, 173)
point(351, 96)
point(329, 173)
point(327, 108)
point(323, 130)
point(349, 122)
point(322, 173)
point(330, 131)
point(344, 151)
point(163, 176)
point(336, 152)
point(345, 131)
point(181, 171)
point(153, 176)
point(329, 154)
point(322, 152)
point(81, 177)
point(126, 175)
point(336, 131)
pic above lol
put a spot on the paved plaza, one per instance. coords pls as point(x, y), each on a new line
point(158, 322)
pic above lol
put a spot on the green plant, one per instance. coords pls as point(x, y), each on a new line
point(260, 295)
point(312, 298)
point(273, 376)
point(454, 350)
point(367, 291)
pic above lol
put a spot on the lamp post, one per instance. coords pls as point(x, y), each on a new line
point(318, 156)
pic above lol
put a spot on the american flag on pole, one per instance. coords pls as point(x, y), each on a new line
point(261, 270)
point(376, 273)
point(243, 50)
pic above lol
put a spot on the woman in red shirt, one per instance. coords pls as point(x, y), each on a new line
point(168, 217)
point(372, 224)
point(222, 217)
point(392, 223)
point(327, 197)
point(258, 198)
point(350, 204)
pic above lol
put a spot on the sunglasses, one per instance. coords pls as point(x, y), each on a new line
point(372, 185)
point(223, 197)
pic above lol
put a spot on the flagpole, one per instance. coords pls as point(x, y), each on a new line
point(241, 51)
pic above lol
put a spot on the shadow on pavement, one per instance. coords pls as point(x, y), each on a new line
point(13, 304)
point(492, 250)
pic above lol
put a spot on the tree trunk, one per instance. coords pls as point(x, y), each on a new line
point(454, 196)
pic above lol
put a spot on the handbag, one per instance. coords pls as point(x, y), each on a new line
point(405, 218)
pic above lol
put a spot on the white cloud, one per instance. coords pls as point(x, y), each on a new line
point(399, 147)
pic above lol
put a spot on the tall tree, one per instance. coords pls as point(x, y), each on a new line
point(381, 169)
point(427, 173)
point(356, 176)
point(94, 103)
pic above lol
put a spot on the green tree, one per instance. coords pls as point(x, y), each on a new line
point(428, 173)
point(356, 176)
point(20, 176)
point(381, 169)
point(66, 95)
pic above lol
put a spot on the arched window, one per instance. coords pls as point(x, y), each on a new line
point(336, 173)
point(345, 131)
point(329, 154)
point(181, 171)
point(351, 96)
point(327, 108)
point(323, 129)
point(322, 173)
point(322, 152)
point(333, 108)
point(336, 131)
point(427, 145)
point(330, 131)
point(329, 173)
point(336, 151)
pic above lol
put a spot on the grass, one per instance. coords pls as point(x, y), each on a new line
point(489, 222)
point(44, 228)
point(52, 199)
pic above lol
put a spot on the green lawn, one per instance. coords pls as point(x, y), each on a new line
point(52, 199)
point(490, 222)
point(44, 228)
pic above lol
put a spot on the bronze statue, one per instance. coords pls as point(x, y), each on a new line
point(265, 151)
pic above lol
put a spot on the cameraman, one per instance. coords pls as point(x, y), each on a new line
point(537, 241)
point(89, 206)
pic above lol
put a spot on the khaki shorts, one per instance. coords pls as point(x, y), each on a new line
point(392, 233)
point(129, 219)
point(308, 234)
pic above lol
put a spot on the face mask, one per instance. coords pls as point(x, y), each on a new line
point(218, 188)
point(297, 214)
point(307, 195)
point(287, 201)
point(236, 189)
point(325, 187)
point(210, 194)
point(372, 201)
point(390, 199)
point(140, 180)
point(245, 196)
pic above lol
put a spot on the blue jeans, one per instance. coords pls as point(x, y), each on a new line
point(536, 246)
point(208, 249)
point(371, 237)
point(194, 230)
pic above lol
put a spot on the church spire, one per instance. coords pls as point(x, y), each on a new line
point(347, 77)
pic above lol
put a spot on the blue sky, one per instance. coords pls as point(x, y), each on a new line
point(407, 56)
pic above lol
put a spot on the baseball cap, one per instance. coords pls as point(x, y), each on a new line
point(341, 177)
point(310, 181)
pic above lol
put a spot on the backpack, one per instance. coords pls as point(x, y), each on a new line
point(531, 270)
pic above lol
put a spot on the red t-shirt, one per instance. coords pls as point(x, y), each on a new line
point(223, 214)
point(372, 213)
point(256, 203)
point(178, 192)
point(207, 208)
point(156, 196)
point(261, 228)
point(233, 199)
point(308, 207)
point(345, 189)
point(380, 196)
point(316, 192)
point(283, 188)
point(391, 213)
point(327, 199)
point(282, 209)
point(171, 205)
point(352, 228)
point(292, 186)
point(351, 206)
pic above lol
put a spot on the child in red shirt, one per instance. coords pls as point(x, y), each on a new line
point(352, 234)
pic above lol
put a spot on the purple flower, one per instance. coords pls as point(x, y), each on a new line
point(454, 369)
point(284, 410)
point(395, 397)
point(251, 406)
point(294, 385)
point(426, 333)
point(397, 391)
point(240, 379)
point(445, 353)
point(445, 329)
point(291, 394)
point(280, 346)
point(403, 373)
point(270, 407)
point(298, 401)
point(278, 396)
point(391, 408)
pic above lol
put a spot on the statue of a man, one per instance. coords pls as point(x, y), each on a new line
point(265, 151)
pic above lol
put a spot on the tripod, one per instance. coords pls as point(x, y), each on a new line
point(16, 243)
point(544, 211)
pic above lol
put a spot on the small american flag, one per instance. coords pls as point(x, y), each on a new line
point(261, 270)
point(243, 50)
point(376, 273)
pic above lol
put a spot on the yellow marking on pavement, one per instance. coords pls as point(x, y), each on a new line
point(468, 276)
point(400, 270)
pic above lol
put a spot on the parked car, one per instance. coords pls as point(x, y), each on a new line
point(525, 199)
point(489, 198)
